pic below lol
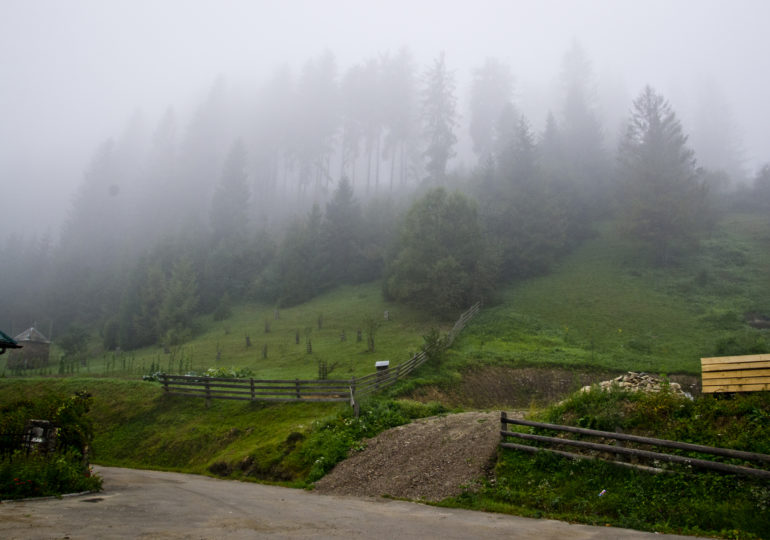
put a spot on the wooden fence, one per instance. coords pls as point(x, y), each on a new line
point(303, 390)
point(619, 449)
point(750, 373)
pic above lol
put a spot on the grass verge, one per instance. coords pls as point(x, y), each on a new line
point(599, 493)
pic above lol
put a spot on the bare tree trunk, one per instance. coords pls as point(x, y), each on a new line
point(403, 163)
point(392, 168)
point(368, 164)
point(377, 164)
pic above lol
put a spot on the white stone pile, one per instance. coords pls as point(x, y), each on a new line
point(637, 382)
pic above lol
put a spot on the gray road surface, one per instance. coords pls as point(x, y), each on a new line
point(149, 504)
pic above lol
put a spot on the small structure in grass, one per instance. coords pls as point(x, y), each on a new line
point(35, 352)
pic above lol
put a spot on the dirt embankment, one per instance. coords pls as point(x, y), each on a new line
point(429, 459)
point(519, 388)
point(434, 458)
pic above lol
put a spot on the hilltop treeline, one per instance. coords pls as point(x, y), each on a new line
point(333, 176)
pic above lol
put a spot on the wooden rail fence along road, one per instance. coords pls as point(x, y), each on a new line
point(303, 390)
point(619, 449)
point(749, 373)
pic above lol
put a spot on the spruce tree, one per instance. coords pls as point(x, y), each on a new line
point(439, 115)
point(663, 203)
point(230, 204)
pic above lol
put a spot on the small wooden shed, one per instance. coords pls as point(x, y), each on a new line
point(35, 352)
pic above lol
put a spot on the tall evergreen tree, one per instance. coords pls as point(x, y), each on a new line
point(316, 120)
point(177, 311)
point(663, 203)
point(230, 204)
point(585, 166)
point(342, 227)
point(439, 115)
point(490, 93)
point(522, 213)
point(399, 112)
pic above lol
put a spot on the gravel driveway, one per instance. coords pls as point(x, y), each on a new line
point(150, 504)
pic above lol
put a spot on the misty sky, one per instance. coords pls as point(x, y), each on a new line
point(74, 71)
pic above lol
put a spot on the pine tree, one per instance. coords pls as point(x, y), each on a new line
point(664, 205)
point(491, 90)
point(439, 115)
point(341, 234)
point(230, 204)
point(180, 301)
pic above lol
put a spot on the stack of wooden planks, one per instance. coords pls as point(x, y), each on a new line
point(736, 373)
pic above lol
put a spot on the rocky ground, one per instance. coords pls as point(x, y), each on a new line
point(639, 382)
point(434, 458)
point(429, 459)
point(507, 388)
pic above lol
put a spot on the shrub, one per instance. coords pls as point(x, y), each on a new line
point(35, 475)
point(32, 473)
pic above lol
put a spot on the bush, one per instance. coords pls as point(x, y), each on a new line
point(736, 345)
point(33, 473)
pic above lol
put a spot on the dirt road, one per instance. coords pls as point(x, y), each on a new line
point(149, 504)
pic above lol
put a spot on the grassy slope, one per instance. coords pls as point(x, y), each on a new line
point(603, 307)
point(706, 503)
point(137, 426)
point(343, 309)
point(600, 307)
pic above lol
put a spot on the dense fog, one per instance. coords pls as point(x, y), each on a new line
point(76, 73)
point(146, 144)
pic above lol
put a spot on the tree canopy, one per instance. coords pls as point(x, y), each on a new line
point(441, 262)
point(663, 203)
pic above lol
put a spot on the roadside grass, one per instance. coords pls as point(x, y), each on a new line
point(604, 307)
point(137, 425)
point(600, 493)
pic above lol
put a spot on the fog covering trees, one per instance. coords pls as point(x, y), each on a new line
point(441, 263)
point(439, 118)
point(663, 201)
point(345, 174)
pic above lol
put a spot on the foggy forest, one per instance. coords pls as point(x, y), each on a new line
point(441, 175)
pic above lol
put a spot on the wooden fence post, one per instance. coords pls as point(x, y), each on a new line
point(252, 388)
point(296, 382)
point(353, 402)
point(208, 393)
point(503, 423)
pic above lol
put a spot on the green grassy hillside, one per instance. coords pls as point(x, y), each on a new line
point(223, 343)
point(603, 306)
point(601, 309)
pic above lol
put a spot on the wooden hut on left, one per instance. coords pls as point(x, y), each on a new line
point(35, 351)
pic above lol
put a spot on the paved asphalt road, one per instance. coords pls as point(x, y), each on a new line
point(149, 504)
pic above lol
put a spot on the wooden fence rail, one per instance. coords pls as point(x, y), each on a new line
point(303, 390)
point(749, 373)
point(635, 452)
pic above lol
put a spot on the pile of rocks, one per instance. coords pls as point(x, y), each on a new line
point(637, 382)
